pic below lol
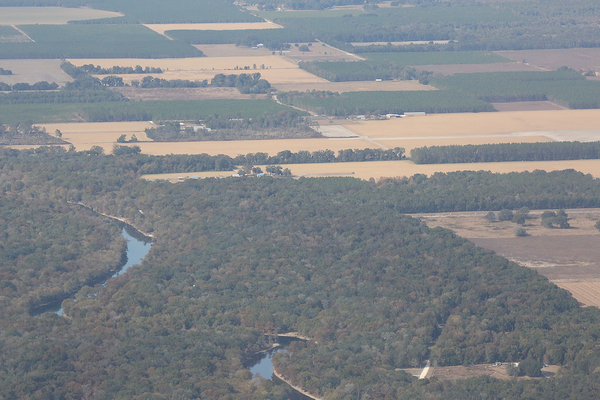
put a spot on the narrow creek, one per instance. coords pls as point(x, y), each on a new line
point(138, 246)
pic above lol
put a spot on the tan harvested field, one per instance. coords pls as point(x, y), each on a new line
point(517, 123)
point(50, 15)
point(206, 93)
point(359, 86)
point(234, 26)
point(587, 293)
point(528, 106)
point(568, 257)
point(382, 169)
point(32, 71)
point(550, 60)
point(104, 134)
point(449, 69)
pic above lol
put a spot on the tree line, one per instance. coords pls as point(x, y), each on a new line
point(502, 152)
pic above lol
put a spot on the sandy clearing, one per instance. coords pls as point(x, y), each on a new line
point(379, 169)
point(274, 76)
point(191, 64)
point(50, 15)
point(359, 86)
point(234, 26)
point(32, 71)
point(587, 293)
point(467, 124)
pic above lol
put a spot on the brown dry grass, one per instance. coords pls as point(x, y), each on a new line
point(50, 15)
point(355, 86)
point(234, 26)
point(554, 59)
point(32, 71)
point(587, 293)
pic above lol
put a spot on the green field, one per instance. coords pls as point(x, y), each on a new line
point(437, 57)
point(568, 88)
point(136, 111)
point(156, 11)
point(233, 37)
point(376, 103)
point(96, 41)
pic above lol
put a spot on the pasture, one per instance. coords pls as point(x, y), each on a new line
point(50, 15)
point(167, 94)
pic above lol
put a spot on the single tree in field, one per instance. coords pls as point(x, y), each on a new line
point(505, 215)
point(490, 217)
point(597, 225)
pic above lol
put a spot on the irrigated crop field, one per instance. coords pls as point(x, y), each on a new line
point(50, 15)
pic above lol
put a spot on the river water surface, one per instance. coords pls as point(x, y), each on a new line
point(138, 246)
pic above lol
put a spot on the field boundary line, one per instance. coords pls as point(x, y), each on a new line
point(23, 33)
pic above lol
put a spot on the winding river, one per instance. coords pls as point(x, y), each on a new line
point(138, 246)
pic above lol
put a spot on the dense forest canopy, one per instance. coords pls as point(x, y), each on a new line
point(236, 259)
